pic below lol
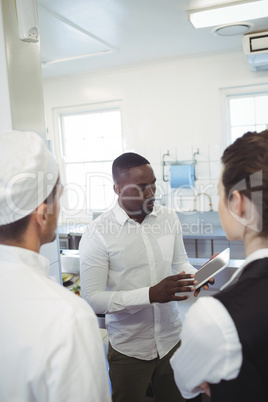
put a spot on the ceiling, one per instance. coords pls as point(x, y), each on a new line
point(91, 35)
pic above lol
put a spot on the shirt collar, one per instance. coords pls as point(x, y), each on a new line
point(18, 255)
point(256, 255)
point(121, 215)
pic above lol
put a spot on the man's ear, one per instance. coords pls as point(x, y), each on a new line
point(117, 189)
point(41, 215)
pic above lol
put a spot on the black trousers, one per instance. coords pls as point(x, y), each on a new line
point(130, 378)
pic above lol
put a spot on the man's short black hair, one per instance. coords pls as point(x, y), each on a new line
point(125, 162)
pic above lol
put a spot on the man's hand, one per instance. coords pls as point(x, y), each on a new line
point(205, 286)
point(205, 388)
point(165, 291)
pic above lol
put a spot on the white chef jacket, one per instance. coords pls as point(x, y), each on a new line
point(210, 347)
point(120, 259)
point(51, 348)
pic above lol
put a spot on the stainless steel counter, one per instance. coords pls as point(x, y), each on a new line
point(215, 233)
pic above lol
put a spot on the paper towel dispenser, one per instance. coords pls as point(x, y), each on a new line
point(181, 173)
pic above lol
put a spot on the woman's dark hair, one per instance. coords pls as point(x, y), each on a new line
point(16, 230)
point(245, 169)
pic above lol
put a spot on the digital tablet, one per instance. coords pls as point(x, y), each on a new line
point(212, 267)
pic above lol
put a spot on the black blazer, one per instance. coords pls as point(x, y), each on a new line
point(247, 304)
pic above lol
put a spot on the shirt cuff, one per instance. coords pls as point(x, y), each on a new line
point(136, 299)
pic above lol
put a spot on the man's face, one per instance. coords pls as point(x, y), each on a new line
point(136, 190)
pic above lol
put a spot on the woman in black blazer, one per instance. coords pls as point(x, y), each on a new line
point(224, 349)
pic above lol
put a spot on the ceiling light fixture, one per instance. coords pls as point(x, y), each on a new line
point(229, 14)
point(237, 28)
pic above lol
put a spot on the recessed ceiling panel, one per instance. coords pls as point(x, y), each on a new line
point(134, 31)
point(62, 40)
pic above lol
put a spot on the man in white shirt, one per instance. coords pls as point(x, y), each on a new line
point(51, 349)
point(133, 264)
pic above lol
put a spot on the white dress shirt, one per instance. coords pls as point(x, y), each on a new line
point(210, 347)
point(51, 348)
point(120, 259)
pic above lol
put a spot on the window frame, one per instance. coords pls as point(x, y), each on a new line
point(72, 110)
point(238, 91)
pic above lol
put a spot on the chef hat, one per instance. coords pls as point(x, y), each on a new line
point(28, 173)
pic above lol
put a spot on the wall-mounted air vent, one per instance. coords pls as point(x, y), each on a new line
point(256, 48)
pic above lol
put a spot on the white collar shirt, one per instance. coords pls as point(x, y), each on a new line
point(258, 254)
point(210, 350)
point(51, 348)
point(119, 260)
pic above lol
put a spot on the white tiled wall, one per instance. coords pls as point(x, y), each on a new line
point(207, 170)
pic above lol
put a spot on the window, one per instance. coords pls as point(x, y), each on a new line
point(89, 141)
point(247, 112)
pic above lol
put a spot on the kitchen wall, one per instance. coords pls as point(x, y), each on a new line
point(172, 105)
point(22, 104)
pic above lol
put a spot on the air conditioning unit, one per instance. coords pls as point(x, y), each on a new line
point(255, 46)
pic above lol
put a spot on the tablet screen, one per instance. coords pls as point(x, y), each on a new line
point(212, 267)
